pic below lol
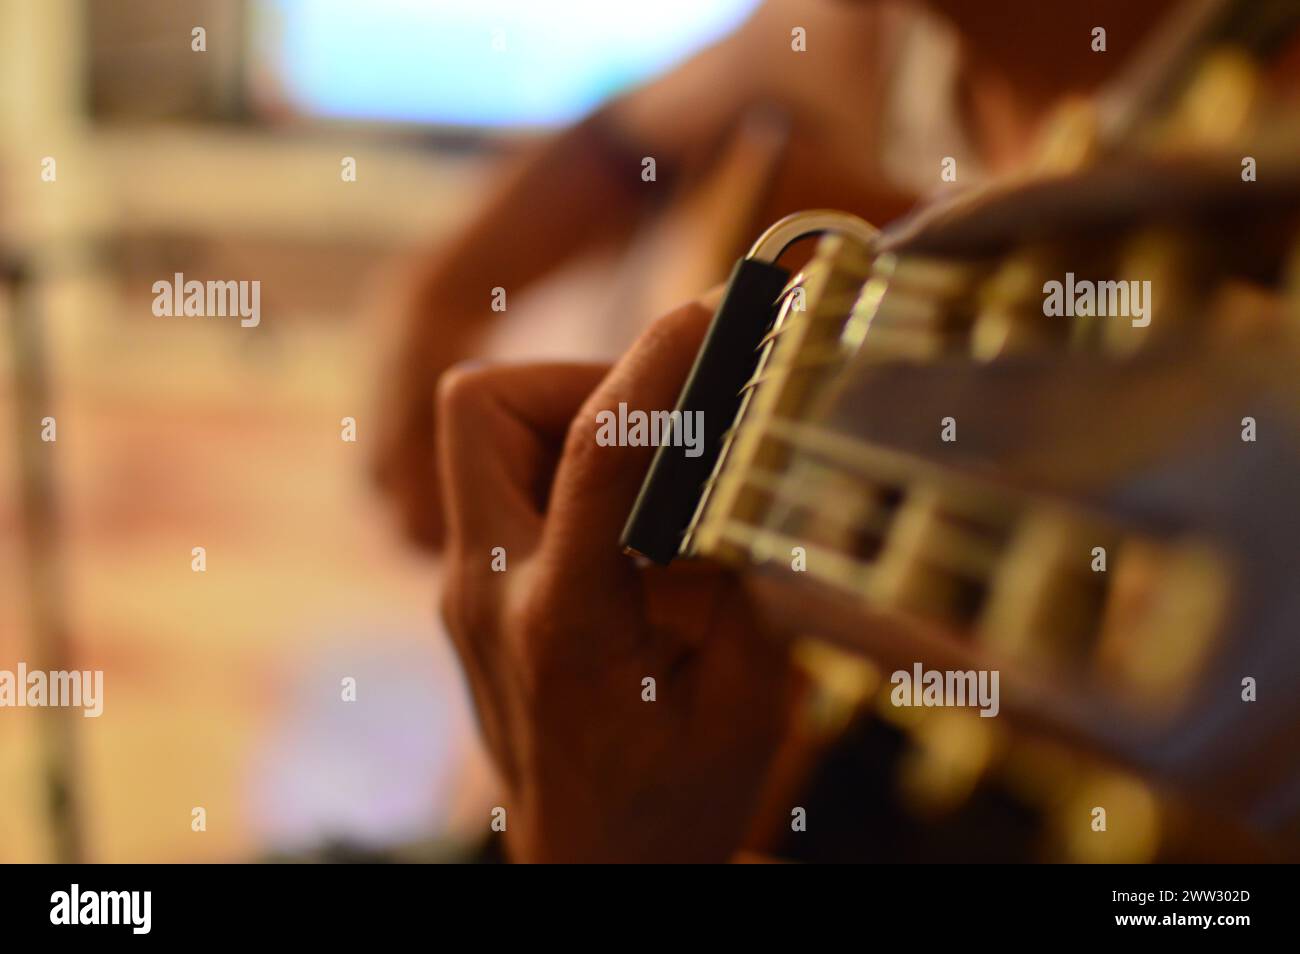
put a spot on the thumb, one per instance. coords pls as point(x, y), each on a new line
point(596, 486)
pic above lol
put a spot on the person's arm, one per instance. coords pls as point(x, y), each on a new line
point(568, 194)
point(577, 190)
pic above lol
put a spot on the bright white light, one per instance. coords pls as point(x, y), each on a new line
point(475, 62)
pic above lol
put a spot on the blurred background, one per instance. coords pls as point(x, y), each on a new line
point(222, 687)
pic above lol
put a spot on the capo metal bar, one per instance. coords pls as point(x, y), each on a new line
point(671, 493)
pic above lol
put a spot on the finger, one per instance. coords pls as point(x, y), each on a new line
point(406, 465)
point(501, 430)
point(595, 486)
point(410, 479)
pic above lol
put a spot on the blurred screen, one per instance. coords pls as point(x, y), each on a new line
point(493, 63)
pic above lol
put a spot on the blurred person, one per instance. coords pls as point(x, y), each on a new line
point(555, 649)
point(861, 121)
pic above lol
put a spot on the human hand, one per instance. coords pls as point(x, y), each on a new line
point(405, 462)
point(556, 646)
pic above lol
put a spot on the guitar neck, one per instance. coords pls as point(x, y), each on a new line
point(1021, 575)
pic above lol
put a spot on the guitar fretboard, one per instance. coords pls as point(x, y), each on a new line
point(1015, 573)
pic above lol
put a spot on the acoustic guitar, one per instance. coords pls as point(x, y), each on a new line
point(1048, 430)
